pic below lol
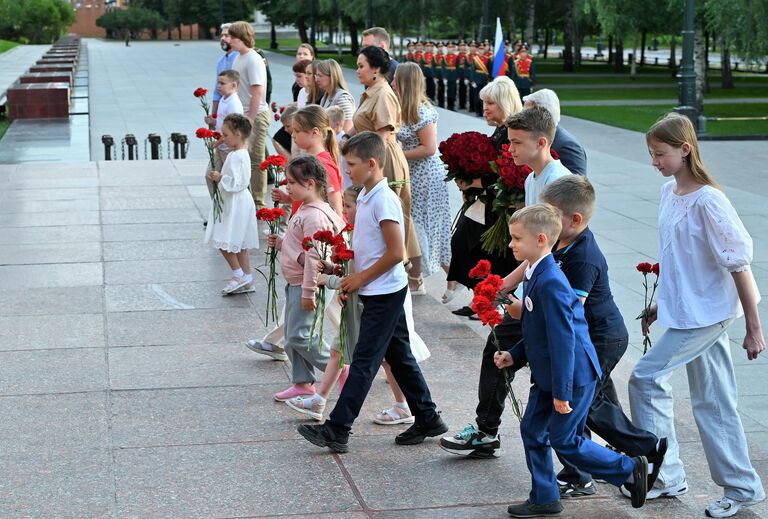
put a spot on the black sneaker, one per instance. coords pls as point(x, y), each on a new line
point(576, 489)
point(638, 490)
point(464, 311)
point(418, 432)
point(473, 443)
point(529, 509)
point(323, 436)
point(657, 458)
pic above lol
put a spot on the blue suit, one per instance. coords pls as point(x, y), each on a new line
point(571, 153)
point(564, 366)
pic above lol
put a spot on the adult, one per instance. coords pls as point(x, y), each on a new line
point(571, 153)
point(252, 93)
point(379, 37)
point(304, 52)
point(430, 205)
point(313, 91)
point(522, 70)
point(500, 100)
point(379, 111)
point(330, 81)
point(224, 63)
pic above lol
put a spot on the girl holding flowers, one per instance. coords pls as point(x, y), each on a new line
point(236, 231)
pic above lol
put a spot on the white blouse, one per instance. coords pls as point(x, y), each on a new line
point(701, 241)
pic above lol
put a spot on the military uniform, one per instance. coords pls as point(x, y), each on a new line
point(428, 68)
point(408, 58)
point(439, 78)
point(469, 69)
point(523, 72)
point(461, 74)
point(482, 67)
point(450, 75)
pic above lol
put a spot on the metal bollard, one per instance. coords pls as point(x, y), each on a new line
point(175, 139)
point(133, 145)
point(154, 143)
point(183, 145)
point(108, 143)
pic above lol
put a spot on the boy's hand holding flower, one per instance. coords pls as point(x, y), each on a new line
point(352, 282)
point(502, 359)
point(562, 406)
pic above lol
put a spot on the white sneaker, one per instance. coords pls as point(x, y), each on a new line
point(657, 492)
point(726, 507)
point(276, 352)
point(234, 284)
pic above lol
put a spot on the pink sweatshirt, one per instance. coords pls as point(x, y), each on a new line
point(309, 219)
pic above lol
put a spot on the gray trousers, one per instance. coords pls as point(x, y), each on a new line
point(706, 355)
point(297, 325)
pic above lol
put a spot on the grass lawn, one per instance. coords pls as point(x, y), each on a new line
point(4, 124)
point(5, 45)
point(640, 118)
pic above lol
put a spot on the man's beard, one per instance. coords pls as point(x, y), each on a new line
point(226, 47)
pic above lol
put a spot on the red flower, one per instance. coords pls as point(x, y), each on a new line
point(338, 270)
point(338, 241)
point(345, 255)
point(274, 106)
point(348, 228)
point(216, 135)
point(644, 267)
point(282, 109)
point(214, 116)
point(306, 243)
point(283, 182)
point(277, 161)
point(277, 117)
point(481, 270)
point(200, 92)
point(655, 269)
point(324, 236)
point(278, 212)
point(203, 133)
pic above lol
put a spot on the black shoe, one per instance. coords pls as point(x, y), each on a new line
point(576, 489)
point(418, 432)
point(464, 311)
point(529, 509)
point(657, 458)
point(638, 490)
point(323, 436)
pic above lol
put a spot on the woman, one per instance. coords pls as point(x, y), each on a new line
point(430, 207)
point(304, 52)
point(310, 85)
point(500, 100)
point(379, 111)
point(330, 81)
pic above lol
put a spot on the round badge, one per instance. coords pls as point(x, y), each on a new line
point(528, 303)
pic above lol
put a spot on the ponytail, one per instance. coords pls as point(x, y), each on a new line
point(332, 145)
point(314, 116)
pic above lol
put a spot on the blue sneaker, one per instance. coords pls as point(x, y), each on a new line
point(473, 443)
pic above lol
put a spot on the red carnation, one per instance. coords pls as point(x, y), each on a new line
point(200, 92)
point(277, 117)
point(348, 228)
point(481, 270)
point(203, 133)
point(306, 243)
point(216, 135)
point(655, 269)
point(338, 270)
point(214, 116)
point(282, 109)
point(644, 267)
point(274, 106)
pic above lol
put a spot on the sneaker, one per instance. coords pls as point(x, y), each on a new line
point(294, 391)
point(418, 432)
point(529, 509)
point(233, 284)
point(245, 289)
point(308, 406)
point(639, 489)
point(726, 507)
point(395, 415)
point(656, 492)
point(657, 458)
point(324, 436)
point(576, 489)
point(473, 443)
point(276, 352)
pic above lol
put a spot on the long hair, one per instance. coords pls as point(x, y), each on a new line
point(675, 130)
point(410, 89)
point(314, 91)
point(314, 116)
point(503, 92)
point(330, 68)
point(306, 168)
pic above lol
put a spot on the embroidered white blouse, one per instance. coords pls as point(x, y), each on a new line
point(701, 241)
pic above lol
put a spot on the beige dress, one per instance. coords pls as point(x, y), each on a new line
point(379, 111)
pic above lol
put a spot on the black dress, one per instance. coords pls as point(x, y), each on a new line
point(295, 89)
point(466, 248)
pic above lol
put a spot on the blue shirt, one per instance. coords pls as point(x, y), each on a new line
point(225, 63)
point(584, 265)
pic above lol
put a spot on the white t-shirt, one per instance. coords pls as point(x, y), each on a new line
point(227, 105)
point(253, 71)
point(301, 100)
point(534, 184)
point(373, 207)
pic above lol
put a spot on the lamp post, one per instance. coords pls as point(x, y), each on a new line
point(686, 78)
point(485, 24)
point(369, 14)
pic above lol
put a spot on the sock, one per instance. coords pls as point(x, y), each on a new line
point(267, 346)
point(238, 272)
point(248, 277)
point(650, 468)
point(402, 405)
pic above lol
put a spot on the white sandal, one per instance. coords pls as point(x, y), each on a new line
point(450, 293)
point(419, 290)
point(395, 415)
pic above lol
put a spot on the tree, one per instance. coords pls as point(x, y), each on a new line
point(39, 21)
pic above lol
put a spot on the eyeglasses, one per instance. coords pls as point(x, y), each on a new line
point(318, 74)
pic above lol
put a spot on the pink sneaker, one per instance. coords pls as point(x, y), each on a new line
point(343, 377)
point(294, 391)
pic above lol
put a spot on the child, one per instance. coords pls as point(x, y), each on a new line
point(306, 183)
point(704, 282)
point(336, 119)
point(531, 132)
point(379, 243)
point(282, 140)
point(564, 370)
point(230, 103)
point(236, 232)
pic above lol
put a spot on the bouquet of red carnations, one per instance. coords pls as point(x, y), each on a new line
point(322, 242)
point(209, 137)
point(341, 257)
point(200, 93)
point(274, 165)
point(467, 156)
point(272, 217)
point(646, 268)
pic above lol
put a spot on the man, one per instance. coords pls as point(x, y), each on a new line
point(225, 63)
point(523, 71)
point(379, 37)
point(470, 75)
point(409, 57)
point(252, 93)
point(461, 73)
point(482, 65)
point(450, 75)
point(439, 78)
point(427, 67)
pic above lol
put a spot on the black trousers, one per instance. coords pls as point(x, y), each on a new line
point(440, 93)
point(451, 95)
point(383, 335)
point(471, 95)
point(606, 418)
point(462, 94)
point(478, 101)
point(492, 389)
point(431, 88)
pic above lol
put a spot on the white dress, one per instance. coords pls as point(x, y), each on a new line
point(237, 229)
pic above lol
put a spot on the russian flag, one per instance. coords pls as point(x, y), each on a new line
point(498, 56)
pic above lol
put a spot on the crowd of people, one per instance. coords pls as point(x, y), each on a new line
point(368, 169)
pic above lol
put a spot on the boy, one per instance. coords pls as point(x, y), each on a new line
point(581, 260)
point(564, 370)
point(336, 119)
point(531, 132)
point(381, 282)
point(282, 140)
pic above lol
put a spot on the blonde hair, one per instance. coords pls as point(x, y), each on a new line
point(335, 115)
point(314, 116)
point(675, 130)
point(503, 92)
point(314, 91)
point(243, 31)
point(540, 218)
point(330, 68)
point(571, 194)
point(410, 89)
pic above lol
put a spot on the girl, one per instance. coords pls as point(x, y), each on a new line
point(429, 207)
point(300, 74)
point(304, 52)
point(314, 406)
point(306, 184)
point(236, 232)
point(705, 282)
point(331, 82)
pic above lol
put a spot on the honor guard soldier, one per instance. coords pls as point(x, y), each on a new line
point(482, 66)
point(409, 58)
point(461, 74)
point(450, 75)
point(439, 77)
point(470, 74)
point(418, 54)
point(523, 73)
point(428, 67)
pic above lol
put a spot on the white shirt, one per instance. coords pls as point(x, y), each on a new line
point(534, 184)
point(301, 100)
point(373, 207)
point(227, 105)
point(701, 241)
point(530, 269)
point(253, 71)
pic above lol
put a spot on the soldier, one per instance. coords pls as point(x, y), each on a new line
point(482, 66)
point(461, 74)
point(523, 73)
point(418, 53)
point(470, 74)
point(439, 78)
point(450, 75)
point(408, 58)
point(428, 67)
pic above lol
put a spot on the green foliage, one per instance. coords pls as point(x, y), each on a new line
point(133, 19)
point(741, 23)
point(40, 21)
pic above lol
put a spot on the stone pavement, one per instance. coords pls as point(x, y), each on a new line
point(126, 391)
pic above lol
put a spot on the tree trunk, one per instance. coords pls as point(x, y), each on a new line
point(726, 75)
point(642, 47)
point(673, 56)
point(546, 42)
point(706, 62)
point(576, 42)
point(355, 45)
point(699, 66)
point(529, 23)
point(610, 48)
point(633, 65)
point(512, 27)
point(422, 19)
point(302, 27)
point(618, 55)
point(273, 37)
point(568, 44)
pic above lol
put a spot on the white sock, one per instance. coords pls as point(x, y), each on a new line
point(402, 405)
point(318, 398)
point(238, 273)
point(650, 468)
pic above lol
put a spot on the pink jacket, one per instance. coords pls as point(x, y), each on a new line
point(309, 219)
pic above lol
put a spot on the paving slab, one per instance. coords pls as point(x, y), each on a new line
point(47, 332)
point(51, 301)
point(52, 371)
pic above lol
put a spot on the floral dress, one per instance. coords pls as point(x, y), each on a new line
point(429, 197)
